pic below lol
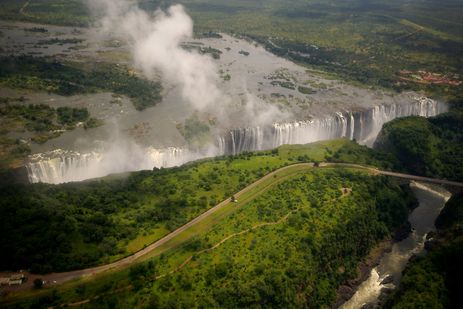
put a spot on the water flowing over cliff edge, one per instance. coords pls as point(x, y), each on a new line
point(60, 166)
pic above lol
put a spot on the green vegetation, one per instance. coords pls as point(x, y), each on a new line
point(42, 121)
point(284, 84)
point(36, 29)
point(289, 246)
point(36, 118)
point(305, 90)
point(71, 78)
point(434, 281)
point(93, 123)
point(450, 219)
point(60, 12)
point(194, 131)
point(363, 41)
point(211, 34)
point(215, 53)
point(38, 283)
point(430, 147)
point(12, 152)
point(60, 41)
point(293, 245)
point(354, 153)
point(83, 224)
point(71, 116)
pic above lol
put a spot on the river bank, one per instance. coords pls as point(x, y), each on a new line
point(347, 290)
point(386, 275)
point(372, 260)
point(434, 280)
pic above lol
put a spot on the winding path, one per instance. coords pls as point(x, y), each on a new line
point(60, 278)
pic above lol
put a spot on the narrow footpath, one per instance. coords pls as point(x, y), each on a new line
point(156, 248)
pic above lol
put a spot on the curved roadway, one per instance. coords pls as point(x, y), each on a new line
point(59, 278)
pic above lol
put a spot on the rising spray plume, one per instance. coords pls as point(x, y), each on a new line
point(156, 47)
point(155, 41)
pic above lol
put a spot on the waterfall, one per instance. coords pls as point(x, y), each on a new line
point(60, 166)
point(170, 157)
point(241, 139)
point(362, 126)
point(303, 132)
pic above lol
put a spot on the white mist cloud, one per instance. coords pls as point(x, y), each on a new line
point(155, 44)
point(155, 41)
point(261, 112)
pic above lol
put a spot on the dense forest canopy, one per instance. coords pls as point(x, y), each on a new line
point(49, 75)
point(81, 224)
point(431, 147)
point(294, 243)
point(435, 279)
point(291, 246)
point(364, 41)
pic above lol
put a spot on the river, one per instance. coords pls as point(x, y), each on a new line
point(388, 273)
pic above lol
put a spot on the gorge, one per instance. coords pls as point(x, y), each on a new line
point(61, 166)
point(386, 276)
point(231, 154)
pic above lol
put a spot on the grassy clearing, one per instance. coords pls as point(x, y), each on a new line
point(230, 208)
point(281, 238)
point(103, 218)
point(144, 240)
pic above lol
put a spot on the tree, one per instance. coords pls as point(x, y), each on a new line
point(38, 283)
